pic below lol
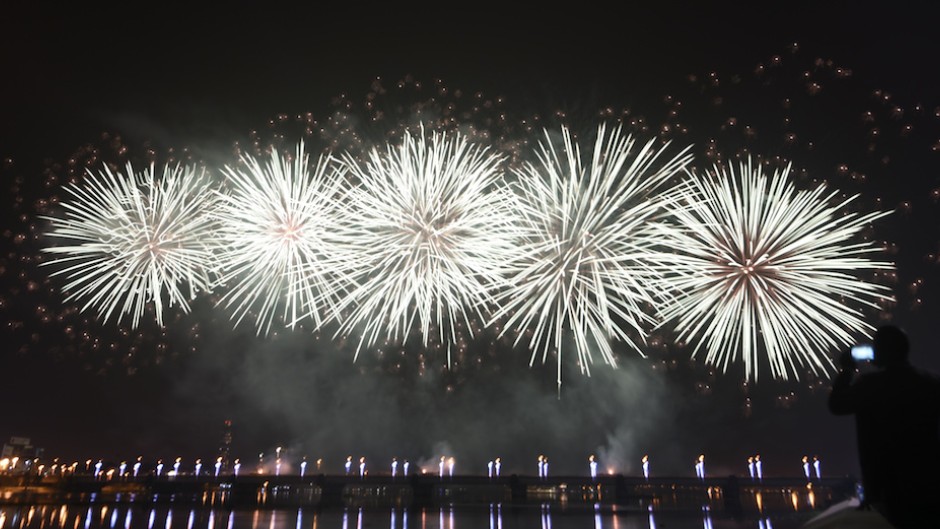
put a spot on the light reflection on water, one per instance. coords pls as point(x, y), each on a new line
point(493, 516)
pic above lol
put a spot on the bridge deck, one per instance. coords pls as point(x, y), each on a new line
point(425, 490)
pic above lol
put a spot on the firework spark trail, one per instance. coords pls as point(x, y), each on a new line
point(433, 233)
point(591, 255)
point(769, 268)
point(138, 240)
point(280, 234)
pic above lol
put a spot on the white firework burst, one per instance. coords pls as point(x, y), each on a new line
point(433, 232)
point(770, 270)
point(138, 239)
point(279, 239)
point(590, 260)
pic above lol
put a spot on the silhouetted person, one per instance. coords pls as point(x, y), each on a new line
point(897, 417)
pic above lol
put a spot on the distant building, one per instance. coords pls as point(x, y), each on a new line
point(225, 449)
point(20, 447)
point(18, 455)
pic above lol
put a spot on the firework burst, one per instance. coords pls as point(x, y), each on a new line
point(770, 269)
point(590, 258)
point(139, 239)
point(433, 231)
point(279, 236)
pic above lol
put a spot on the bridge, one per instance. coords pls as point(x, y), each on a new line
point(423, 490)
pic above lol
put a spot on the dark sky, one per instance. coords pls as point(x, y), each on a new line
point(202, 77)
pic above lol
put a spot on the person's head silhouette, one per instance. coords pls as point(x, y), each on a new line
point(891, 347)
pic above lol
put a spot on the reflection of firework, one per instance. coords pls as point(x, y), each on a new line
point(770, 269)
point(139, 239)
point(590, 246)
point(279, 228)
point(432, 235)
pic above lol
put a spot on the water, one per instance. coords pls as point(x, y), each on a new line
point(493, 516)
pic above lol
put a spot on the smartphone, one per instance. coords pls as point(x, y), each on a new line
point(863, 353)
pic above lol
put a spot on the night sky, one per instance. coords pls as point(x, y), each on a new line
point(848, 94)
